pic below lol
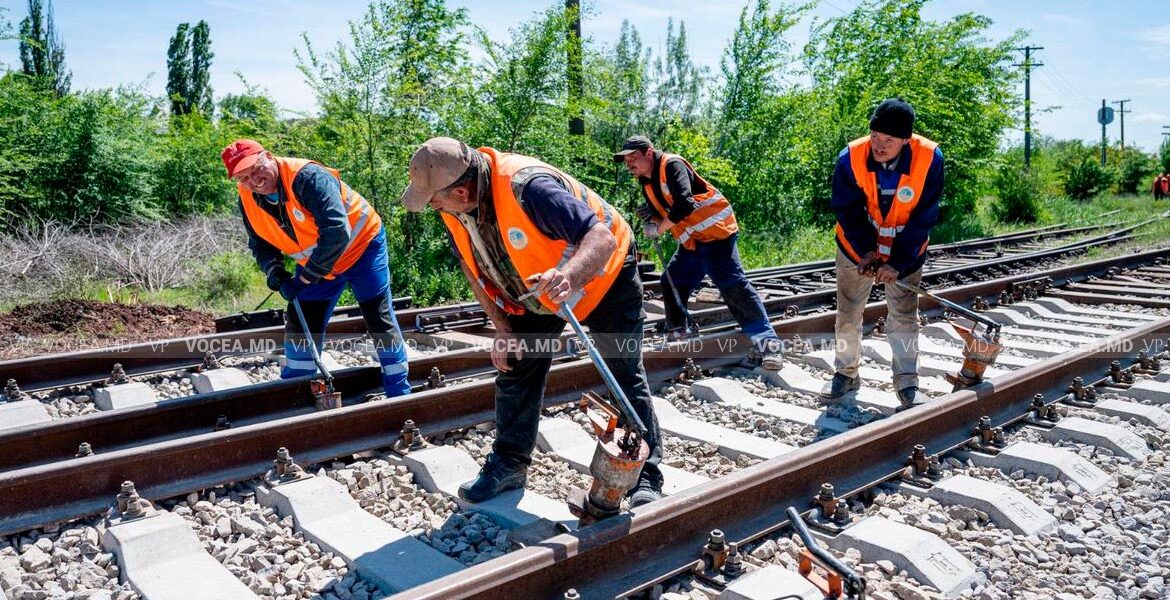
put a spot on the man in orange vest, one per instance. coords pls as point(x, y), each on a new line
point(700, 218)
point(302, 209)
point(886, 191)
point(518, 225)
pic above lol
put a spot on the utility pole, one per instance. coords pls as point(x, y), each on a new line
point(1103, 122)
point(575, 72)
point(1028, 64)
point(1121, 111)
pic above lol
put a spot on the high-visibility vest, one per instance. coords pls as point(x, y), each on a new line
point(712, 218)
point(364, 223)
point(528, 249)
point(906, 197)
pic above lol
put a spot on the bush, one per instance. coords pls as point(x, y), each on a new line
point(1133, 171)
point(1017, 196)
point(1087, 179)
point(227, 277)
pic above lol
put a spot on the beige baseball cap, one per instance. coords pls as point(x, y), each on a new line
point(437, 164)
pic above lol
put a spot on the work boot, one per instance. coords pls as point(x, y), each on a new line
point(494, 478)
point(839, 386)
point(644, 492)
point(773, 356)
point(911, 397)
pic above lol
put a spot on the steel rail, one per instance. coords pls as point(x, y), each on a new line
point(620, 555)
point(81, 486)
point(90, 366)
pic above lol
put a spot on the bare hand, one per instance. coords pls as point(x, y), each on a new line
point(886, 274)
point(552, 282)
point(504, 344)
point(869, 264)
point(650, 230)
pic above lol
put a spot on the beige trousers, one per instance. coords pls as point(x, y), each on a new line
point(901, 322)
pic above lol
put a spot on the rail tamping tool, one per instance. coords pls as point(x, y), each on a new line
point(980, 348)
point(835, 579)
point(621, 446)
point(323, 393)
point(692, 328)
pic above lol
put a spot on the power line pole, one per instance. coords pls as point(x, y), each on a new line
point(1028, 64)
point(1121, 111)
point(576, 74)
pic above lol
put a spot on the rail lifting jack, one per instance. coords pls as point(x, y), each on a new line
point(324, 395)
point(838, 581)
point(979, 348)
point(621, 446)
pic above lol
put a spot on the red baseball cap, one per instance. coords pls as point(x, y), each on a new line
point(240, 155)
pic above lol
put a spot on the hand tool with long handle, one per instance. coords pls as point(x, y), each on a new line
point(979, 348)
point(323, 391)
point(621, 452)
point(690, 324)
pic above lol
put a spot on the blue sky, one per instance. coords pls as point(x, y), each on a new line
point(1092, 50)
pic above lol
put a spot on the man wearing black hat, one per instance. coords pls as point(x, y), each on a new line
point(886, 190)
point(678, 200)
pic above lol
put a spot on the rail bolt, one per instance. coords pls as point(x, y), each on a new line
point(118, 375)
point(733, 567)
point(572, 595)
point(13, 391)
point(127, 491)
point(222, 423)
point(84, 449)
point(209, 362)
point(436, 379)
point(841, 512)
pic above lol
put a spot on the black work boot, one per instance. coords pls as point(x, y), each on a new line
point(911, 397)
point(644, 492)
point(494, 478)
point(839, 386)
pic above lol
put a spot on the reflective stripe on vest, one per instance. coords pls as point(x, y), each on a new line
point(712, 219)
point(362, 222)
point(906, 196)
point(529, 250)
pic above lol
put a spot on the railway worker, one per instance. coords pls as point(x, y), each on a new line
point(302, 209)
point(886, 190)
point(518, 225)
point(680, 201)
point(1161, 186)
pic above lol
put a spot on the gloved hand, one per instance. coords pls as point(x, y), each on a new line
point(645, 212)
point(869, 264)
point(292, 287)
point(276, 277)
point(650, 230)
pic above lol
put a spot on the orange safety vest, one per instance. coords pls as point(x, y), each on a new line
point(364, 222)
point(712, 218)
point(905, 198)
point(530, 251)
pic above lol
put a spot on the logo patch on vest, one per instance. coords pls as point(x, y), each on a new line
point(905, 194)
point(298, 215)
point(517, 238)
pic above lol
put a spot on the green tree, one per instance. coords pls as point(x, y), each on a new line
point(679, 92)
point(1164, 155)
point(1133, 168)
point(201, 55)
point(179, 70)
point(42, 53)
point(961, 84)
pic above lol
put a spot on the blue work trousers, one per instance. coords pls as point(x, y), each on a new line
point(720, 261)
point(369, 278)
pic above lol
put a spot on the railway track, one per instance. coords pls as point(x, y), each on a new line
point(739, 449)
point(802, 289)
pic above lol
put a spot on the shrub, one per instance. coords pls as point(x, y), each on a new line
point(1017, 196)
point(1087, 179)
point(227, 276)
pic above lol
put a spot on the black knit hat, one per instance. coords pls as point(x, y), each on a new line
point(894, 116)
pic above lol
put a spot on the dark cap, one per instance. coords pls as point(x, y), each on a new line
point(894, 116)
point(632, 143)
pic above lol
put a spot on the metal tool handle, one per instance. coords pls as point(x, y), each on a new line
point(312, 343)
point(690, 323)
point(854, 584)
point(962, 310)
point(623, 402)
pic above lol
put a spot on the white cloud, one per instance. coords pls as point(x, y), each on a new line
point(1151, 117)
point(1156, 35)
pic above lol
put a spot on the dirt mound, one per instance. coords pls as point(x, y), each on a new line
point(93, 320)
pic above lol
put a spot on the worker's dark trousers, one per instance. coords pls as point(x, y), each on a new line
point(719, 260)
point(616, 327)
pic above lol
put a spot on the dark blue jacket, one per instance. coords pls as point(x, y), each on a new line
point(849, 204)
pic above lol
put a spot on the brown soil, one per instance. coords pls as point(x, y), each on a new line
point(76, 324)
